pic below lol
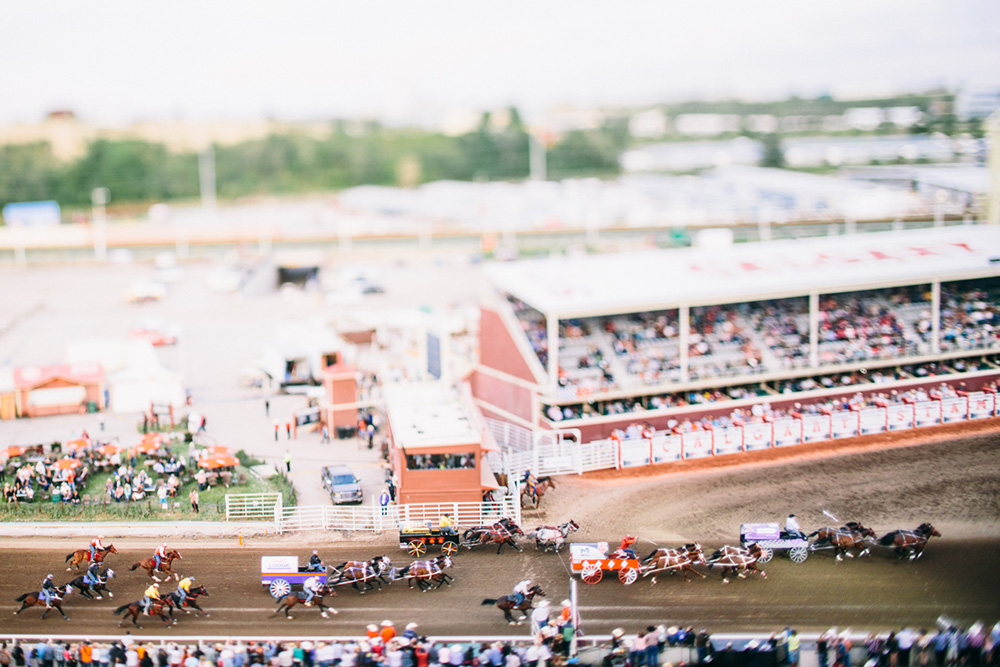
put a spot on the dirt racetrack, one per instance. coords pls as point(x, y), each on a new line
point(953, 482)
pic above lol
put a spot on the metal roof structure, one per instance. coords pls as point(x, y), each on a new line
point(429, 415)
point(594, 285)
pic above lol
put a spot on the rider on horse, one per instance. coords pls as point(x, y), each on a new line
point(521, 591)
point(530, 483)
point(183, 588)
point(152, 593)
point(91, 577)
point(315, 563)
point(311, 587)
point(159, 555)
point(49, 591)
point(625, 549)
point(95, 546)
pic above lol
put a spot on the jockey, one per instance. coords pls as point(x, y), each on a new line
point(152, 593)
point(183, 588)
point(521, 591)
point(625, 549)
point(95, 546)
point(311, 586)
point(91, 577)
point(530, 482)
point(49, 591)
point(315, 564)
point(159, 555)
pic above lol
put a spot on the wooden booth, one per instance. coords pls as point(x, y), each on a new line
point(60, 389)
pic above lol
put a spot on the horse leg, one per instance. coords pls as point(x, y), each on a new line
point(512, 543)
point(507, 615)
point(46, 612)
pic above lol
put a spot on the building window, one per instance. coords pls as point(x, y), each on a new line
point(440, 461)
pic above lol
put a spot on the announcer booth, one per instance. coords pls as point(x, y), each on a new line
point(596, 343)
point(57, 390)
point(437, 447)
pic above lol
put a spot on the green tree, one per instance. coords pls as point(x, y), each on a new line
point(28, 172)
point(772, 153)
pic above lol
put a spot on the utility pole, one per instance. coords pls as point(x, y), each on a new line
point(100, 197)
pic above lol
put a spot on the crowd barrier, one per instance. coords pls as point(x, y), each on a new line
point(797, 429)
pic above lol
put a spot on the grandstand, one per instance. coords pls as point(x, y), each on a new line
point(598, 342)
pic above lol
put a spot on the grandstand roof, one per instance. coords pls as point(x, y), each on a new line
point(651, 280)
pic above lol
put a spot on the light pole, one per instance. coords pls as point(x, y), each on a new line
point(100, 197)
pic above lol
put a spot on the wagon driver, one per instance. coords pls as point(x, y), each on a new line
point(792, 527)
point(625, 549)
point(315, 563)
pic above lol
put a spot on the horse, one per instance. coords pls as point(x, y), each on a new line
point(134, 609)
point(506, 604)
point(476, 531)
point(425, 573)
point(83, 556)
point(286, 603)
point(912, 541)
point(362, 572)
point(86, 589)
point(552, 538)
point(674, 560)
point(851, 536)
point(531, 497)
point(500, 534)
point(35, 597)
point(173, 600)
point(737, 559)
point(149, 565)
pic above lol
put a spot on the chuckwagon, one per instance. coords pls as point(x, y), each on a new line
point(591, 560)
point(282, 574)
point(415, 536)
point(772, 538)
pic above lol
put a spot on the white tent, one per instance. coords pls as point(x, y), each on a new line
point(135, 388)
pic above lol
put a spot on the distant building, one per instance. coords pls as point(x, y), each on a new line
point(978, 102)
point(865, 119)
point(649, 124)
point(707, 124)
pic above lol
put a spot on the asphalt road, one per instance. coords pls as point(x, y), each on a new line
point(955, 578)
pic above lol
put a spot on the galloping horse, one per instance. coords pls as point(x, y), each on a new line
point(500, 533)
point(851, 536)
point(737, 559)
point(134, 609)
point(426, 572)
point(149, 565)
point(506, 604)
point(674, 560)
point(173, 600)
point(474, 533)
point(86, 589)
point(83, 556)
point(363, 572)
point(552, 538)
point(34, 597)
point(286, 603)
point(532, 494)
point(912, 541)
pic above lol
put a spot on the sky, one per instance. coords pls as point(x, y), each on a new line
point(120, 61)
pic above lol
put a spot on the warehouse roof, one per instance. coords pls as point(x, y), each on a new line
point(594, 285)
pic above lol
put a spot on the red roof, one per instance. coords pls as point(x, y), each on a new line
point(30, 377)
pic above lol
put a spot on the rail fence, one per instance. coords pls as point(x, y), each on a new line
point(566, 457)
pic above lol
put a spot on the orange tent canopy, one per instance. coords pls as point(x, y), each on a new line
point(12, 451)
point(109, 449)
point(218, 450)
point(212, 462)
point(80, 443)
point(66, 464)
point(147, 446)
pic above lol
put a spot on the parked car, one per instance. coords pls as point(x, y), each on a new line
point(342, 485)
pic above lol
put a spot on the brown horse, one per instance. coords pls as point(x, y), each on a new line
point(674, 560)
point(425, 573)
point(34, 597)
point(910, 541)
point(83, 556)
point(286, 603)
point(500, 533)
point(532, 494)
point(506, 604)
point(737, 560)
point(850, 536)
point(149, 565)
point(134, 609)
point(173, 600)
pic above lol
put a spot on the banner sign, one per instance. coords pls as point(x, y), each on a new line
point(899, 416)
point(871, 420)
point(815, 428)
point(697, 444)
point(927, 413)
point(757, 436)
point(787, 432)
point(981, 405)
point(728, 440)
point(954, 409)
point(666, 448)
point(844, 424)
point(633, 453)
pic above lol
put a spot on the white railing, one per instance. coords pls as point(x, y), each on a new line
point(255, 506)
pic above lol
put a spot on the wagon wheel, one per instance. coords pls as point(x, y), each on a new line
point(592, 574)
point(766, 554)
point(798, 554)
point(279, 588)
point(628, 575)
point(417, 548)
point(449, 548)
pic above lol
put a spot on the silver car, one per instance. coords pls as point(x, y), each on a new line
point(342, 485)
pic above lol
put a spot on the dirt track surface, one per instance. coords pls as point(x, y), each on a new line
point(952, 482)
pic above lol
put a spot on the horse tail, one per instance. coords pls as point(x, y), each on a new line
point(21, 599)
point(120, 609)
point(68, 556)
point(813, 534)
point(487, 601)
point(888, 539)
point(650, 556)
point(132, 569)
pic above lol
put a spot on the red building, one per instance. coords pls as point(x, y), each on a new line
point(58, 390)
